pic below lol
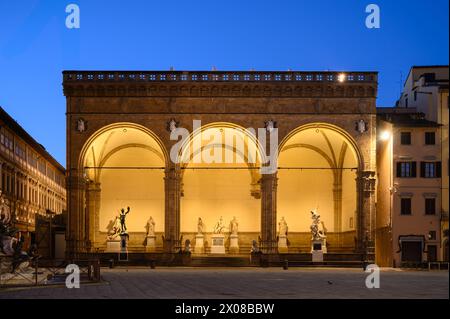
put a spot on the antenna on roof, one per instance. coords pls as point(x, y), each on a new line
point(171, 68)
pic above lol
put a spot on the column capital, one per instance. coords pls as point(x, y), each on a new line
point(172, 173)
point(367, 180)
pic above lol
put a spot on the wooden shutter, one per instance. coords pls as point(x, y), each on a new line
point(422, 169)
point(399, 169)
point(413, 169)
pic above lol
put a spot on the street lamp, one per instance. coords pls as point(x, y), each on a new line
point(385, 135)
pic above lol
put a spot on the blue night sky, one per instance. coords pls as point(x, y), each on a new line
point(35, 45)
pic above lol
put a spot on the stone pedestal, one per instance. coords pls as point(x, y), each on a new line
point(113, 246)
point(199, 244)
point(150, 244)
point(218, 244)
point(234, 244)
point(282, 244)
point(123, 254)
point(318, 248)
point(319, 244)
point(317, 256)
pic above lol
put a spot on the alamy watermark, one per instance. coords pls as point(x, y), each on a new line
point(219, 146)
point(373, 20)
point(373, 280)
point(73, 279)
point(73, 18)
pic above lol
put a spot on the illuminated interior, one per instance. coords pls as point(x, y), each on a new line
point(128, 163)
point(220, 178)
point(317, 170)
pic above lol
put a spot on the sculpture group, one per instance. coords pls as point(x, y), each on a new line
point(118, 227)
point(317, 227)
point(11, 243)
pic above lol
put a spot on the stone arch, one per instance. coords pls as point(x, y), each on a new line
point(122, 164)
point(330, 175)
point(217, 195)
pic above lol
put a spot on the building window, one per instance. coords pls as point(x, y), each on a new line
point(405, 138)
point(406, 169)
point(415, 95)
point(432, 235)
point(406, 102)
point(405, 208)
point(430, 169)
point(430, 206)
point(430, 138)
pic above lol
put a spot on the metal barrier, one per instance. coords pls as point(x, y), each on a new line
point(40, 272)
point(438, 265)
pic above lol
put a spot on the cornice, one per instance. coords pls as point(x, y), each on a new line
point(220, 84)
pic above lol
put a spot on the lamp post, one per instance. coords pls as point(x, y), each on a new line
point(50, 233)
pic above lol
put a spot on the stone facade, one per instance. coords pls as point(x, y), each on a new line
point(32, 182)
point(247, 99)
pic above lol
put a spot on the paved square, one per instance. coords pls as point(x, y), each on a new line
point(258, 283)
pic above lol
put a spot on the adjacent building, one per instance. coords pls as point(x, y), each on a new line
point(409, 188)
point(32, 181)
point(412, 169)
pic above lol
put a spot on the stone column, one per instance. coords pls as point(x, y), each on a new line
point(337, 199)
point(172, 183)
point(75, 206)
point(366, 214)
point(93, 193)
point(269, 213)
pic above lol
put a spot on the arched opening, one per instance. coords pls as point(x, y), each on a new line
point(220, 179)
point(318, 166)
point(123, 165)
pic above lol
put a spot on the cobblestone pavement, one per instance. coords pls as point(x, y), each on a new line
point(256, 283)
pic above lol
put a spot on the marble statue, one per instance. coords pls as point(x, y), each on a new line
point(150, 227)
point(5, 212)
point(12, 246)
point(200, 226)
point(283, 227)
point(122, 216)
point(113, 228)
point(317, 232)
point(234, 226)
point(218, 228)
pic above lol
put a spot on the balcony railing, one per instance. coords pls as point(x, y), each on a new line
point(218, 76)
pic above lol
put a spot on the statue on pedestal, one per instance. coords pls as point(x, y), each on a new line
point(122, 216)
point(317, 228)
point(234, 225)
point(283, 227)
point(150, 227)
point(200, 226)
point(218, 228)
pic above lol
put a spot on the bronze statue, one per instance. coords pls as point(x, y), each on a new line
point(122, 216)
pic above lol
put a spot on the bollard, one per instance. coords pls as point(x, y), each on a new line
point(111, 263)
point(286, 264)
point(152, 264)
point(97, 270)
